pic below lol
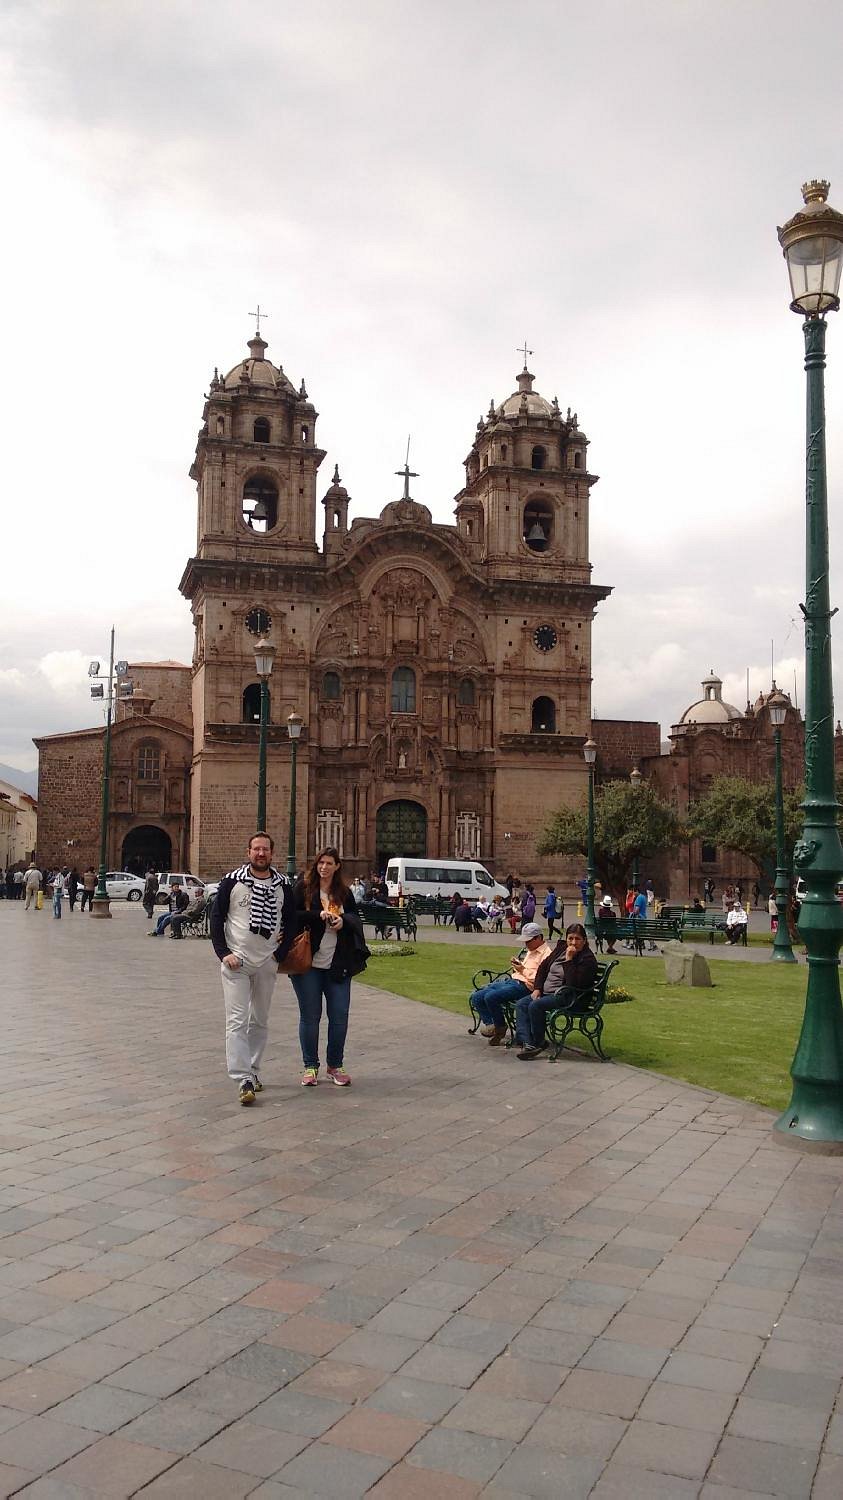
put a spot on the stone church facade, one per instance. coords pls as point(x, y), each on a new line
point(443, 672)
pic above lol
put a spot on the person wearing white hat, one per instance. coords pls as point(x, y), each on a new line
point(488, 1001)
point(607, 919)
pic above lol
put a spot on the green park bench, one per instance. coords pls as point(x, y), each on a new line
point(638, 931)
point(385, 918)
point(582, 1014)
point(437, 907)
point(710, 925)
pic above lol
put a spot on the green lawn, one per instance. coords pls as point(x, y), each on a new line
point(738, 1037)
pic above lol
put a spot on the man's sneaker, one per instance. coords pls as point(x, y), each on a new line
point(528, 1053)
point(487, 1030)
point(258, 1085)
point(338, 1077)
point(247, 1092)
point(310, 1078)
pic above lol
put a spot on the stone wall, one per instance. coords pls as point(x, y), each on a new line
point(69, 783)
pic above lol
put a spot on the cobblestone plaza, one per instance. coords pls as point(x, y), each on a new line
point(450, 1280)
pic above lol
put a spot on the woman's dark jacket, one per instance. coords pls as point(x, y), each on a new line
point(580, 971)
point(351, 953)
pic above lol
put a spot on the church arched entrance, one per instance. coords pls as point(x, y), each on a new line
point(401, 828)
point(147, 848)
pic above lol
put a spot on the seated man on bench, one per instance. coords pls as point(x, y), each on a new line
point(192, 913)
point(570, 968)
point(488, 1001)
point(736, 924)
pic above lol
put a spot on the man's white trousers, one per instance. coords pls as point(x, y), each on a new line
point(247, 997)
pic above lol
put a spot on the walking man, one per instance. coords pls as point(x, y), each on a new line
point(253, 923)
point(58, 892)
point(89, 885)
point(32, 885)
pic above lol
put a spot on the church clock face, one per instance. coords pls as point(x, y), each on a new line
point(258, 621)
point(545, 638)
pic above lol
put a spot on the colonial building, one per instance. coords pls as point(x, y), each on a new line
point(443, 672)
point(18, 822)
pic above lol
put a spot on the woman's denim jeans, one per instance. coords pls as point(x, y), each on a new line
point(309, 988)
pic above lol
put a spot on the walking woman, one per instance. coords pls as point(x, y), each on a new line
point(326, 907)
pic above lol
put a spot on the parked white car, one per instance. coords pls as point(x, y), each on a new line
point(121, 886)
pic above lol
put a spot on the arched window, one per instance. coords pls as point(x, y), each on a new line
point(260, 431)
point(403, 691)
point(220, 426)
point(260, 503)
point(543, 719)
point(538, 525)
point(578, 459)
point(504, 451)
point(252, 703)
point(539, 458)
point(331, 685)
point(149, 761)
point(466, 695)
point(305, 434)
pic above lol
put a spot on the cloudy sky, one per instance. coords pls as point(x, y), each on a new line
point(412, 188)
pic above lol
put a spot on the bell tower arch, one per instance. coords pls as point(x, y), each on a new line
point(256, 465)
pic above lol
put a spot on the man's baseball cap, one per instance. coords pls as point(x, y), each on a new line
point(531, 930)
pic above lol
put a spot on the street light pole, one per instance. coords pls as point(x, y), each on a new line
point(782, 952)
point(812, 242)
point(636, 779)
point(100, 905)
point(294, 729)
point(264, 657)
point(590, 752)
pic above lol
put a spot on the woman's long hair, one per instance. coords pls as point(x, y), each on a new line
point(339, 885)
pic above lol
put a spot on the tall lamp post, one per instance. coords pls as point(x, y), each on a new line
point(589, 750)
point(635, 779)
point(812, 242)
point(295, 723)
point(102, 686)
point(782, 952)
point(264, 657)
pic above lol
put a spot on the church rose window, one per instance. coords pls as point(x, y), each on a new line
point(260, 503)
point(149, 762)
point(543, 717)
point(331, 685)
point(403, 691)
point(260, 431)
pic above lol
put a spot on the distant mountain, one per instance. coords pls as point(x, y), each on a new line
point(26, 780)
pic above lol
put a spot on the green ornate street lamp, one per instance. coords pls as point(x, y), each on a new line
point(635, 780)
point(782, 951)
point(264, 657)
point(812, 242)
point(103, 686)
point(295, 724)
point(589, 750)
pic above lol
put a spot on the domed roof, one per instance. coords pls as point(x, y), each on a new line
point(536, 405)
point(336, 490)
point(258, 370)
point(711, 709)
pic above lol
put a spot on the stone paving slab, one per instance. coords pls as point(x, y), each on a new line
point(450, 1280)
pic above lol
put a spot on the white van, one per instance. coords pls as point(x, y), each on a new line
point(408, 876)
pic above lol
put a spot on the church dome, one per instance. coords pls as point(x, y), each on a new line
point(258, 371)
point(536, 405)
point(711, 709)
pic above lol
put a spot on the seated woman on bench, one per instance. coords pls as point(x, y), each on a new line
point(571, 968)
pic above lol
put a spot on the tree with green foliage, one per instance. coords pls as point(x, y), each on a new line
point(628, 821)
point(741, 815)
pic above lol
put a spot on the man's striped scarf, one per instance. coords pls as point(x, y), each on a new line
point(263, 906)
